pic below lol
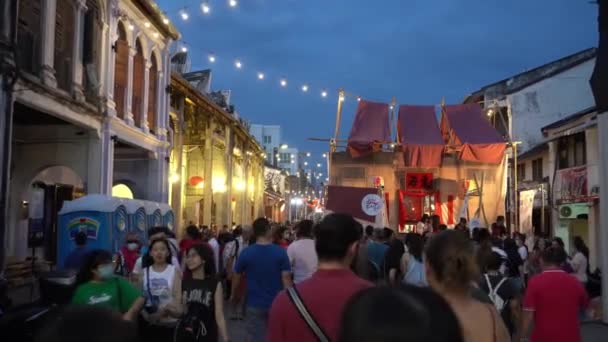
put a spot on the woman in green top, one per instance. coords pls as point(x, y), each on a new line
point(97, 285)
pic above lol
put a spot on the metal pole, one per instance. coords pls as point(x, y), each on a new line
point(338, 118)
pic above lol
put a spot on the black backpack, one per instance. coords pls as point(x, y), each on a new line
point(191, 328)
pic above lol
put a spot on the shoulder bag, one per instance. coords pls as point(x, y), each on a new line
point(305, 314)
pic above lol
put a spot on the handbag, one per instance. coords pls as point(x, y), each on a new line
point(305, 314)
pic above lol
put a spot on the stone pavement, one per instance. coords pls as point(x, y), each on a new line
point(594, 332)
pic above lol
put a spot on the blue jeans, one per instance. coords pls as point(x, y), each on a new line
point(256, 323)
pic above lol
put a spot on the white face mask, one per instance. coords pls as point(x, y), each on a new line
point(132, 246)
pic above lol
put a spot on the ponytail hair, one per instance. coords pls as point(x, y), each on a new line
point(450, 256)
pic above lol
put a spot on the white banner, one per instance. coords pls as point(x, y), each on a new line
point(526, 204)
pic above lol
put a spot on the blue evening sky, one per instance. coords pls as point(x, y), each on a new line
point(415, 50)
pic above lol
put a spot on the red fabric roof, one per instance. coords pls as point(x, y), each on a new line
point(466, 125)
point(370, 129)
point(420, 136)
point(347, 200)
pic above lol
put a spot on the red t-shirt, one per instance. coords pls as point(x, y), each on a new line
point(325, 294)
point(556, 299)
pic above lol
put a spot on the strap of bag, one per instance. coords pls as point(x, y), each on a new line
point(310, 321)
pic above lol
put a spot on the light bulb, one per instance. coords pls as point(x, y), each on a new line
point(131, 27)
point(359, 99)
point(305, 88)
point(184, 15)
point(155, 34)
point(283, 83)
point(165, 21)
point(184, 49)
point(205, 8)
point(260, 76)
point(212, 58)
point(323, 93)
point(238, 64)
point(324, 155)
point(147, 24)
point(233, 3)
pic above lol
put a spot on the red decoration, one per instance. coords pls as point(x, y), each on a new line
point(195, 180)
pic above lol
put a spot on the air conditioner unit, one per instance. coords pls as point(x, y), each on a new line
point(573, 211)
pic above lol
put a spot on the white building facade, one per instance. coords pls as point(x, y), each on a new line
point(90, 110)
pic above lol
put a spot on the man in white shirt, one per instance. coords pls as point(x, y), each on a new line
point(302, 254)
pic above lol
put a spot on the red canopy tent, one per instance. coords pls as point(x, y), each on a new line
point(420, 136)
point(465, 126)
point(370, 129)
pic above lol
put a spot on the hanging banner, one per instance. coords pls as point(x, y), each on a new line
point(419, 181)
point(526, 204)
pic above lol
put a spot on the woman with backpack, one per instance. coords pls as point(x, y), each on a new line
point(202, 299)
point(97, 285)
point(162, 289)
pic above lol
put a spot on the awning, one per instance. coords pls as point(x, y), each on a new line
point(370, 129)
point(420, 136)
point(465, 127)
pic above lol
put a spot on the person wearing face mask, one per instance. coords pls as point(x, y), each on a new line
point(128, 255)
point(97, 285)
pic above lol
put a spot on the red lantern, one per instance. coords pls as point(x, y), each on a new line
point(195, 180)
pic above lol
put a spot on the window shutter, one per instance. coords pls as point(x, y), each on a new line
point(138, 86)
point(152, 96)
point(120, 75)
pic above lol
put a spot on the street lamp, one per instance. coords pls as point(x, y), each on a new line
point(284, 146)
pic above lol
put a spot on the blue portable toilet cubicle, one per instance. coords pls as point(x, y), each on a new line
point(168, 216)
point(103, 218)
point(138, 219)
point(155, 218)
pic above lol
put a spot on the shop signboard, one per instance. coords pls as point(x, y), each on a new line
point(419, 181)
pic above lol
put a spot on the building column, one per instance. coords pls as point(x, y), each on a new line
point(144, 107)
point(229, 172)
point(109, 35)
point(245, 195)
point(49, 12)
point(95, 167)
point(77, 68)
point(208, 155)
point(129, 98)
point(107, 159)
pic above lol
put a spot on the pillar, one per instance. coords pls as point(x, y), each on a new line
point(208, 155)
point(47, 70)
point(144, 107)
point(129, 98)
point(107, 159)
point(77, 67)
point(229, 172)
point(95, 161)
point(162, 113)
point(109, 35)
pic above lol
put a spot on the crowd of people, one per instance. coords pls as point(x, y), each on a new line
point(337, 281)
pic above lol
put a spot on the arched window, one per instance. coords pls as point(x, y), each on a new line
point(91, 50)
point(152, 86)
point(121, 61)
point(138, 84)
point(28, 36)
point(64, 44)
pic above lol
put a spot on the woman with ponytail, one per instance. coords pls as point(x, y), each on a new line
point(451, 271)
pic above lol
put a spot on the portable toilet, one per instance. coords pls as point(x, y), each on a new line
point(103, 218)
point(137, 219)
point(168, 217)
point(155, 218)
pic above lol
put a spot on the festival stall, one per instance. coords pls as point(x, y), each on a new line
point(452, 168)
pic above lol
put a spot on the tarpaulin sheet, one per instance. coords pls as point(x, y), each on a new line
point(370, 130)
point(420, 136)
point(347, 200)
point(465, 125)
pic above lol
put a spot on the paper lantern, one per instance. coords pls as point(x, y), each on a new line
point(195, 180)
